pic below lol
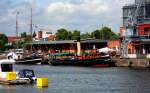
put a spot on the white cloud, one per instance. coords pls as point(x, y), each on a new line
point(84, 15)
point(87, 15)
point(88, 6)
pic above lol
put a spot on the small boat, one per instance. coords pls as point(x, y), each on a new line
point(71, 59)
point(24, 76)
point(29, 60)
point(21, 59)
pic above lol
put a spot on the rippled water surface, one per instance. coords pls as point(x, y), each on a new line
point(85, 80)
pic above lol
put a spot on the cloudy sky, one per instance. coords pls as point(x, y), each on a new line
point(83, 15)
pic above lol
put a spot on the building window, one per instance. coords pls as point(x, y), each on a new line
point(146, 31)
point(147, 48)
point(147, 8)
point(48, 32)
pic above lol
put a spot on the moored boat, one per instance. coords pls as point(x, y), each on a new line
point(20, 58)
point(71, 59)
point(29, 60)
point(11, 77)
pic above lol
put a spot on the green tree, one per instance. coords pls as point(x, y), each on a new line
point(69, 35)
point(4, 38)
point(107, 34)
point(27, 39)
point(3, 42)
point(96, 34)
point(24, 39)
point(86, 35)
point(18, 43)
point(115, 36)
point(23, 35)
point(2, 45)
point(75, 34)
point(62, 34)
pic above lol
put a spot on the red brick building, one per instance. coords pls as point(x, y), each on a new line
point(114, 44)
point(144, 30)
point(139, 44)
point(11, 39)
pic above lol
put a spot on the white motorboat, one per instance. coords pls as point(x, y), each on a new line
point(20, 59)
point(22, 77)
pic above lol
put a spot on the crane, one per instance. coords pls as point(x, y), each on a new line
point(130, 27)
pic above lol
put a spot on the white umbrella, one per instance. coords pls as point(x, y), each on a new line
point(105, 50)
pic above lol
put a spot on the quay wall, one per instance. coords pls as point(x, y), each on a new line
point(133, 62)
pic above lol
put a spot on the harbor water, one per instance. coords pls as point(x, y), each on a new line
point(84, 80)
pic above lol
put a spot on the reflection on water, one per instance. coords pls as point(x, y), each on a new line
point(8, 87)
point(85, 80)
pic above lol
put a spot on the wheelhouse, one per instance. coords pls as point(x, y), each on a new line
point(6, 65)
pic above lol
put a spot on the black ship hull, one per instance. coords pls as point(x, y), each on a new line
point(101, 62)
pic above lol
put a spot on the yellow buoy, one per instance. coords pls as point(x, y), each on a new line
point(11, 76)
point(42, 82)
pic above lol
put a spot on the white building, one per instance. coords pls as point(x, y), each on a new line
point(45, 34)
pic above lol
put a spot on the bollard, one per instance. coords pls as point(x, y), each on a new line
point(11, 76)
point(42, 82)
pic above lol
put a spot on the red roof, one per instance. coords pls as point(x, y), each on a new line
point(11, 38)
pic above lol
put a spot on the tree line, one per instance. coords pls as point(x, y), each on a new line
point(104, 33)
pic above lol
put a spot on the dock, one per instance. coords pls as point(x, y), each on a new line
point(14, 82)
point(132, 62)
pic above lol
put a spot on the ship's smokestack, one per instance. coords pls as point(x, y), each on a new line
point(78, 47)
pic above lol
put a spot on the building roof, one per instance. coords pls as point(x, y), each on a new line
point(93, 41)
point(12, 38)
point(68, 41)
point(54, 42)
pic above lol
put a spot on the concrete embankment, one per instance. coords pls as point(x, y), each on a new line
point(120, 62)
point(3, 57)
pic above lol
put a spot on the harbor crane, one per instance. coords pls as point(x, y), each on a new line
point(130, 27)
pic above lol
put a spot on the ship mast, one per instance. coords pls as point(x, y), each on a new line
point(17, 28)
point(31, 28)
